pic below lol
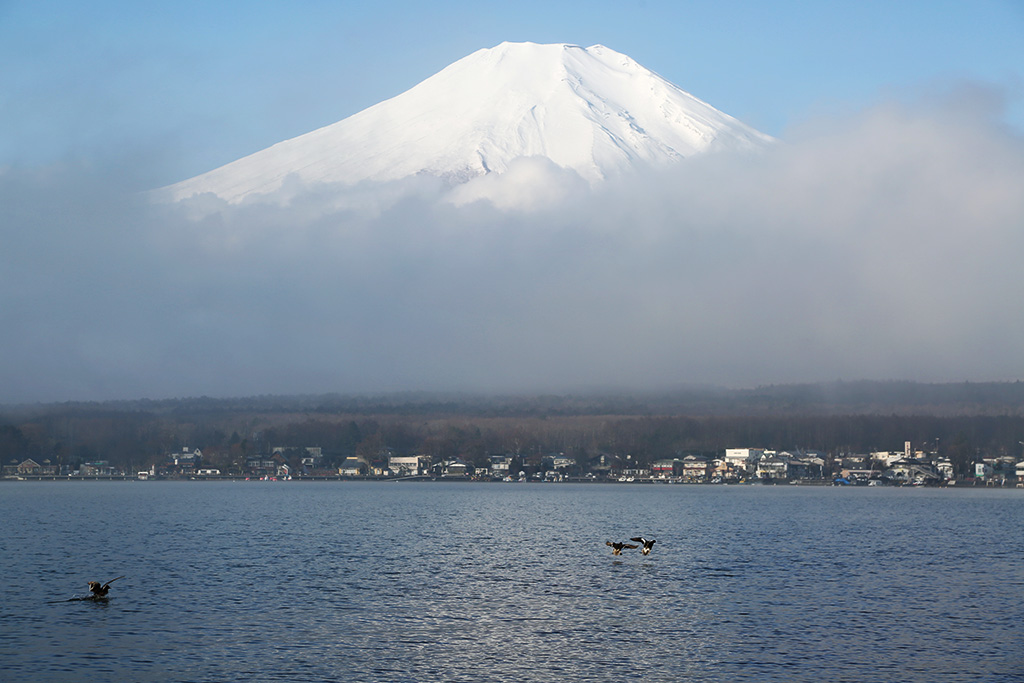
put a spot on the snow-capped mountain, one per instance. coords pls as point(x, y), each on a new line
point(592, 110)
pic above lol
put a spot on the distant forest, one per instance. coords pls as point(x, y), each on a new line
point(961, 421)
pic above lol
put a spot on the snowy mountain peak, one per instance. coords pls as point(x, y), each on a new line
point(592, 110)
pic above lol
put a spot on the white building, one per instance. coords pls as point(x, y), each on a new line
point(743, 459)
point(409, 465)
point(945, 468)
point(773, 467)
point(888, 457)
point(561, 462)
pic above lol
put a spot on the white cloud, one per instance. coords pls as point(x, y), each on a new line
point(529, 183)
point(884, 245)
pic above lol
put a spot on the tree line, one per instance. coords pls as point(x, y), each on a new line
point(962, 425)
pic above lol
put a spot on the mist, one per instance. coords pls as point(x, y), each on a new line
point(881, 245)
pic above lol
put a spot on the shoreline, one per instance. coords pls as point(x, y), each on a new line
point(468, 480)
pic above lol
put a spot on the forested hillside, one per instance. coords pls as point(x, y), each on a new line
point(961, 421)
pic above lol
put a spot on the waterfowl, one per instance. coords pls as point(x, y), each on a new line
point(617, 547)
point(100, 591)
point(648, 544)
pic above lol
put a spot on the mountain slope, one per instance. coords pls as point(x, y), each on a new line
point(592, 110)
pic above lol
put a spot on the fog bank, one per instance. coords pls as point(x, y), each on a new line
point(880, 246)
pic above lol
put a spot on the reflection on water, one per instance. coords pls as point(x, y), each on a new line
point(439, 581)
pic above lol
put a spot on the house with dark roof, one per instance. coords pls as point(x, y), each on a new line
point(456, 468)
point(353, 467)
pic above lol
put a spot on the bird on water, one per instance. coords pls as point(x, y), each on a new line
point(100, 590)
point(617, 547)
point(647, 544)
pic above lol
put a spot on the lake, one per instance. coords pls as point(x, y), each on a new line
point(446, 581)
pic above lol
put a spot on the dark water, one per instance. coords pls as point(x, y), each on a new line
point(247, 581)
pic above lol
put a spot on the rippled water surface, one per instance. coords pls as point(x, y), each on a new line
point(432, 581)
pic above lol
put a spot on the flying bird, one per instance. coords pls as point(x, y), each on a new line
point(617, 547)
point(648, 544)
point(100, 591)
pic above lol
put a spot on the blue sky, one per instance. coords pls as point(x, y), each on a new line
point(882, 241)
point(188, 86)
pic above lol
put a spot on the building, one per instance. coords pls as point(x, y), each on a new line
point(98, 468)
point(719, 470)
point(945, 468)
point(906, 470)
point(666, 468)
point(561, 462)
point(185, 461)
point(695, 468)
point(30, 466)
point(804, 464)
point(997, 470)
point(353, 467)
point(262, 465)
point(887, 458)
point(499, 465)
point(743, 460)
point(456, 468)
point(409, 465)
point(773, 467)
point(312, 456)
point(807, 466)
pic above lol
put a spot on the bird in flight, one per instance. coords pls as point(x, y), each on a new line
point(617, 547)
point(100, 591)
point(647, 544)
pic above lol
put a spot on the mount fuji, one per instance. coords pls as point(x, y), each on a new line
point(592, 110)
